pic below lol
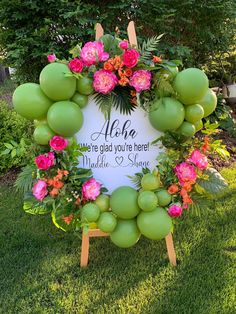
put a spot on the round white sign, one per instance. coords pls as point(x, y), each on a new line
point(117, 148)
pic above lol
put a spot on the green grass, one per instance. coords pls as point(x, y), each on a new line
point(40, 272)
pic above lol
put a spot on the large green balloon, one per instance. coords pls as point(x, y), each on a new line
point(43, 134)
point(191, 85)
point(208, 102)
point(124, 202)
point(30, 102)
point(54, 82)
point(65, 118)
point(156, 224)
point(168, 116)
point(126, 233)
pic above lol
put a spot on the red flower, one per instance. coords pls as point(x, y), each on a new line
point(130, 58)
point(46, 161)
point(76, 65)
point(58, 143)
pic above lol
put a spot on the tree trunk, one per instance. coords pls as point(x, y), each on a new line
point(3, 75)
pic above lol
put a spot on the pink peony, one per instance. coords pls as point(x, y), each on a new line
point(175, 210)
point(76, 65)
point(130, 57)
point(104, 81)
point(40, 190)
point(58, 143)
point(198, 159)
point(92, 53)
point(51, 58)
point(46, 161)
point(91, 189)
point(124, 44)
point(141, 80)
point(185, 173)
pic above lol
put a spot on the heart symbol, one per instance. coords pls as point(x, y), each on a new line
point(119, 160)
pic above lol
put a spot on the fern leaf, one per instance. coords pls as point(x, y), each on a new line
point(24, 181)
point(149, 46)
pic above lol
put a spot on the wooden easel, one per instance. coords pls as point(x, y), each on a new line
point(92, 233)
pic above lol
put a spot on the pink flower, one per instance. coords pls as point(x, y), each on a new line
point(198, 159)
point(46, 161)
point(175, 210)
point(58, 143)
point(105, 56)
point(124, 44)
point(92, 53)
point(40, 190)
point(76, 65)
point(141, 80)
point(130, 57)
point(185, 173)
point(91, 189)
point(51, 58)
point(104, 81)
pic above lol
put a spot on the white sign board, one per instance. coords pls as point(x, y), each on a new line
point(117, 147)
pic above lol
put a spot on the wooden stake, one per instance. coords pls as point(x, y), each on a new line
point(98, 31)
point(170, 249)
point(132, 34)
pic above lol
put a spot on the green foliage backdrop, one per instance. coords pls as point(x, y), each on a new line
point(30, 29)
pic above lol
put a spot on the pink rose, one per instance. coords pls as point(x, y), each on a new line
point(51, 58)
point(185, 173)
point(141, 80)
point(91, 189)
point(198, 159)
point(175, 210)
point(92, 53)
point(124, 44)
point(40, 190)
point(46, 161)
point(58, 143)
point(104, 81)
point(130, 57)
point(76, 65)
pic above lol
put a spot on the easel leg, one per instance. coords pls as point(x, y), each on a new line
point(84, 250)
point(170, 249)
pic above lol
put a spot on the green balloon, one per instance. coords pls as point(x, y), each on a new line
point(65, 118)
point(103, 202)
point(187, 129)
point(126, 233)
point(208, 102)
point(54, 82)
point(198, 125)
point(90, 212)
point(147, 200)
point(191, 85)
point(30, 102)
point(154, 225)
point(193, 113)
point(107, 222)
point(164, 198)
point(85, 86)
point(150, 182)
point(38, 122)
point(81, 100)
point(43, 134)
point(168, 116)
point(124, 202)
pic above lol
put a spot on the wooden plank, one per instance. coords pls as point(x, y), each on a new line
point(98, 31)
point(171, 249)
point(97, 233)
point(132, 34)
point(84, 250)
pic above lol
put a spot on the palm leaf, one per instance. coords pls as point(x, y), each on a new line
point(24, 181)
point(105, 104)
point(121, 99)
point(149, 46)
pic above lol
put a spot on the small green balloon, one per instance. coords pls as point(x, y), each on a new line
point(55, 83)
point(80, 100)
point(164, 198)
point(208, 102)
point(150, 182)
point(90, 212)
point(85, 86)
point(198, 125)
point(65, 118)
point(187, 129)
point(193, 113)
point(147, 200)
point(191, 85)
point(124, 202)
point(156, 224)
point(30, 101)
point(103, 202)
point(126, 233)
point(43, 134)
point(38, 122)
point(107, 222)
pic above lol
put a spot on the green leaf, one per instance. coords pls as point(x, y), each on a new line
point(35, 208)
point(215, 184)
point(24, 181)
point(8, 145)
point(149, 46)
point(13, 153)
point(121, 99)
point(5, 152)
point(105, 104)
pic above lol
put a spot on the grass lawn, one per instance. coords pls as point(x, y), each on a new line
point(40, 272)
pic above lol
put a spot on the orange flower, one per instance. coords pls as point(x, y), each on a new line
point(58, 184)
point(78, 201)
point(156, 59)
point(173, 189)
point(128, 72)
point(54, 192)
point(206, 145)
point(187, 200)
point(187, 186)
point(183, 192)
point(108, 66)
point(133, 93)
point(67, 219)
point(123, 81)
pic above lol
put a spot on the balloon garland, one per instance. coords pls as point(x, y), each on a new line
point(175, 101)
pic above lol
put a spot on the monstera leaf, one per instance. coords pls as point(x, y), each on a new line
point(35, 208)
point(215, 184)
